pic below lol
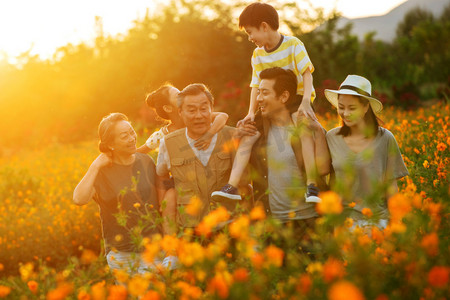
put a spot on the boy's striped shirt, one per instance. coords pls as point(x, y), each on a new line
point(291, 54)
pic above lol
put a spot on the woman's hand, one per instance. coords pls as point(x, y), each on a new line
point(103, 160)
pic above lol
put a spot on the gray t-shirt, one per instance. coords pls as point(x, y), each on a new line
point(286, 181)
point(363, 177)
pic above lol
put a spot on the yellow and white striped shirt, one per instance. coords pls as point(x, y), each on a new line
point(291, 54)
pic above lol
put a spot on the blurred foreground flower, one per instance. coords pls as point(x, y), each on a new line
point(438, 276)
point(331, 203)
point(4, 291)
point(344, 290)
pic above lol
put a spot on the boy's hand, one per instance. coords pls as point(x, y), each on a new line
point(204, 142)
point(249, 117)
point(306, 109)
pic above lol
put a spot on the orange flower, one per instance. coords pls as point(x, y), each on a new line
point(239, 228)
point(441, 146)
point(138, 286)
point(4, 291)
point(367, 212)
point(438, 276)
point(61, 292)
point(83, 295)
point(304, 284)
point(377, 235)
point(240, 275)
point(426, 165)
point(274, 255)
point(352, 204)
point(151, 295)
point(117, 292)
point(98, 291)
point(218, 285)
point(258, 213)
point(344, 290)
point(399, 206)
point(331, 203)
point(430, 243)
point(169, 244)
point(332, 269)
point(195, 206)
point(88, 257)
point(33, 286)
point(257, 260)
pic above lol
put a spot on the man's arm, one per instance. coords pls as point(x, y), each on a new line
point(219, 121)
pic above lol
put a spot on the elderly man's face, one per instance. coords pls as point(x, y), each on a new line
point(196, 114)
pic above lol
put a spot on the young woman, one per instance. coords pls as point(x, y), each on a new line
point(164, 102)
point(365, 157)
point(122, 182)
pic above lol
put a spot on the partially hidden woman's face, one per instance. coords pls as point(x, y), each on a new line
point(351, 110)
point(124, 141)
point(173, 93)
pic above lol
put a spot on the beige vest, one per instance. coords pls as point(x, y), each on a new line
point(194, 179)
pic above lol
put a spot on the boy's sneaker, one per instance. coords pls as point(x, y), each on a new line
point(228, 192)
point(312, 194)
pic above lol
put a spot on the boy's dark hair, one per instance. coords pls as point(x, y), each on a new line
point(192, 90)
point(285, 80)
point(157, 99)
point(256, 13)
point(370, 118)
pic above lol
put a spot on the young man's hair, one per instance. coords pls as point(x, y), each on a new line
point(157, 99)
point(256, 13)
point(285, 80)
point(370, 118)
point(193, 90)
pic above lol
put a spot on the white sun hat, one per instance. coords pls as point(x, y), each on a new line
point(357, 86)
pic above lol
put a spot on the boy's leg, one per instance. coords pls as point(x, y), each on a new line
point(229, 191)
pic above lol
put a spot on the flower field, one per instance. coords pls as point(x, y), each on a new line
point(51, 248)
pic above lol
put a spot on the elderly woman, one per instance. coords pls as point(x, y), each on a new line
point(123, 183)
point(365, 156)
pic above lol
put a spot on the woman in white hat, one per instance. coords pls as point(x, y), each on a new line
point(365, 157)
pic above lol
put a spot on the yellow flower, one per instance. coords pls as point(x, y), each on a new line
point(426, 165)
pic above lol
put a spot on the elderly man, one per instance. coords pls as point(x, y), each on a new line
point(196, 173)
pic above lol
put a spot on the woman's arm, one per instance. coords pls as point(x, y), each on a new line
point(85, 190)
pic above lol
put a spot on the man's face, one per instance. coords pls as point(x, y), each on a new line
point(256, 35)
point(267, 100)
point(196, 114)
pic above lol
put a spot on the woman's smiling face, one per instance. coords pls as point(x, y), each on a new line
point(351, 110)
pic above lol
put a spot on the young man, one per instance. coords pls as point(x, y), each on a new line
point(278, 179)
point(260, 22)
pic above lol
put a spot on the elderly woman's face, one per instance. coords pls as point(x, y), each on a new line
point(124, 138)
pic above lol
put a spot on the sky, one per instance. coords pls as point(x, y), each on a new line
point(41, 26)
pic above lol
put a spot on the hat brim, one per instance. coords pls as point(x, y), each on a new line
point(332, 97)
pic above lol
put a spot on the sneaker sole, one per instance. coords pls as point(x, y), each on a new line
point(221, 196)
point(313, 199)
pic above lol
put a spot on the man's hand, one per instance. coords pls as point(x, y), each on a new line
point(204, 142)
point(246, 129)
point(249, 117)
